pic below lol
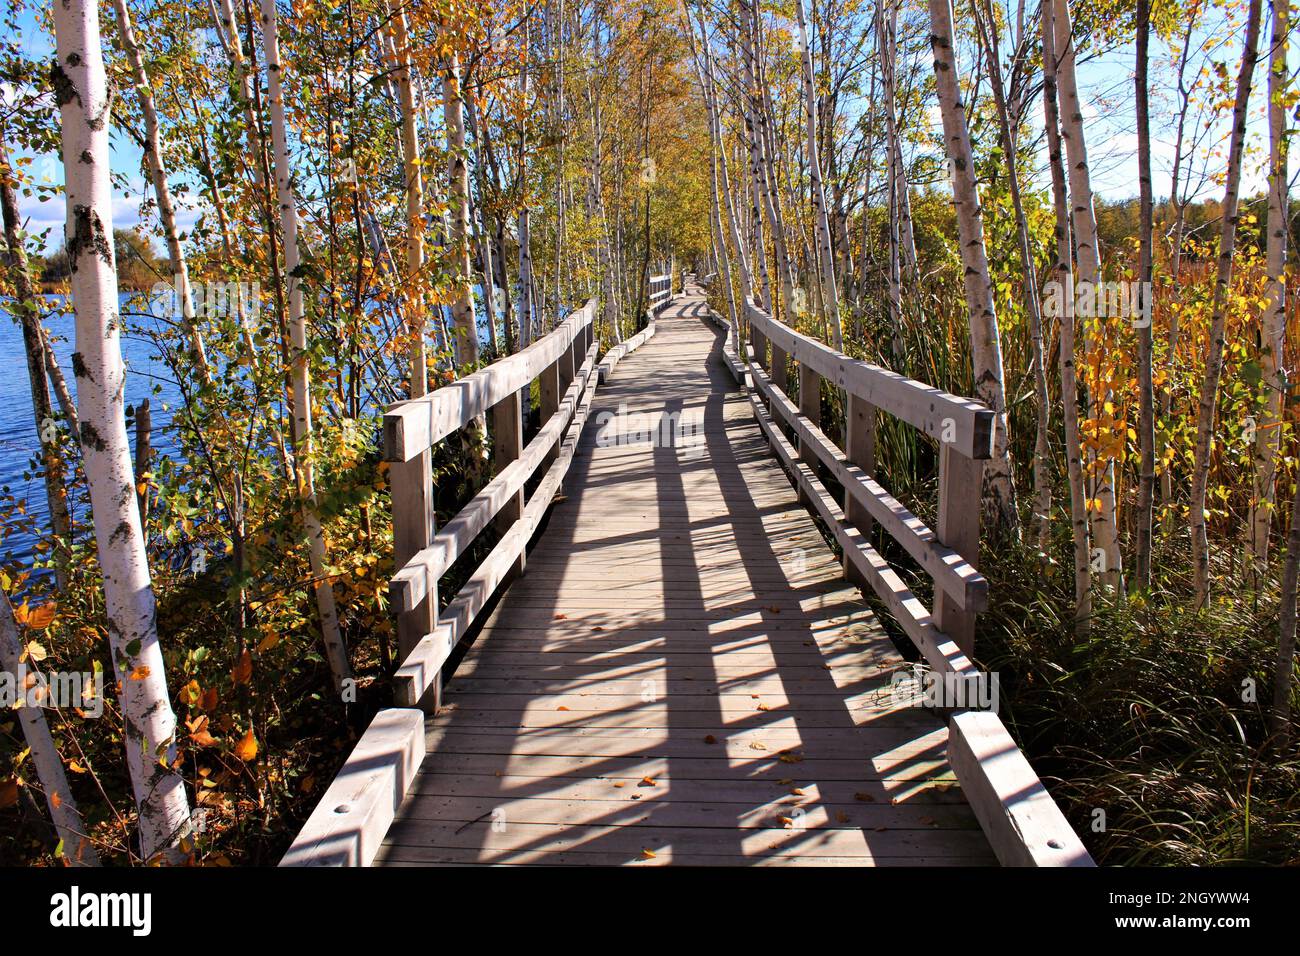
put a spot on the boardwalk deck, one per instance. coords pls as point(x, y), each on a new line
point(682, 675)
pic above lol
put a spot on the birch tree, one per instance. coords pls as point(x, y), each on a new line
point(462, 307)
point(1273, 321)
point(299, 370)
point(27, 309)
point(76, 846)
point(152, 146)
point(986, 342)
point(1064, 277)
point(84, 101)
point(821, 221)
point(1101, 472)
point(1206, 409)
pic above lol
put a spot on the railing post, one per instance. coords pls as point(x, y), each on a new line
point(860, 449)
point(549, 387)
point(810, 407)
point(960, 492)
point(507, 446)
point(413, 529)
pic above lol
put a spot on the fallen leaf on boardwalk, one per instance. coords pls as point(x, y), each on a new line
point(8, 792)
point(710, 739)
point(841, 817)
point(787, 757)
point(621, 783)
point(864, 797)
point(561, 707)
point(597, 628)
point(753, 697)
point(928, 821)
point(880, 829)
point(764, 707)
point(647, 853)
point(648, 782)
point(797, 791)
point(242, 672)
point(786, 822)
point(786, 781)
point(246, 749)
point(56, 801)
point(774, 609)
point(561, 617)
point(758, 745)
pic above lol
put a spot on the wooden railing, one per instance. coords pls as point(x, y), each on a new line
point(348, 825)
point(660, 292)
point(562, 362)
point(1023, 824)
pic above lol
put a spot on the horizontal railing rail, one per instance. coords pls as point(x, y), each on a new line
point(1020, 819)
point(660, 292)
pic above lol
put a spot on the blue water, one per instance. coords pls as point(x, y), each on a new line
point(147, 377)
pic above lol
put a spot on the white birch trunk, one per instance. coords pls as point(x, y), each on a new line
point(821, 220)
point(68, 825)
point(462, 308)
point(82, 94)
point(300, 375)
point(1273, 321)
point(1064, 277)
point(1105, 533)
point(413, 302)
point(1209, 397)
point(986, 344)
point(162, 192)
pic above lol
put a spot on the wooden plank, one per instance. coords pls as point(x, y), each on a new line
point(944, 417)
point(353, 816)
point(1023, 823)
point(507, 448)
point(414, 425)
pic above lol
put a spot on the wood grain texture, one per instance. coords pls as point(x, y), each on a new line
point(682, 675)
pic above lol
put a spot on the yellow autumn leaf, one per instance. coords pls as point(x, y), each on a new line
point(246, 749)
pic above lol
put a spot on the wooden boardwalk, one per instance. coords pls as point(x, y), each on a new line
point(682, 675)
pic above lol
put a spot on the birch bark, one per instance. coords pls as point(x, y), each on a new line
point(300, 373)
point(82, 93)
point(999, 498)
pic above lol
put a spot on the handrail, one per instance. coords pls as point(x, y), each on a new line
point(1023, 824)
point(417, 424)
point(963, 428)
point(949, 419)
